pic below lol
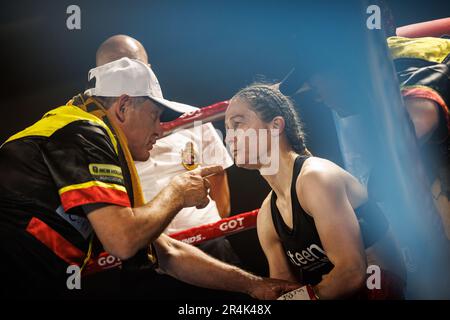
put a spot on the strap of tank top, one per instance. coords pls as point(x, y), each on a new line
point(298, 164)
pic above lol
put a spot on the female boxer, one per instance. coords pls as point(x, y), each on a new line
point(317, 225)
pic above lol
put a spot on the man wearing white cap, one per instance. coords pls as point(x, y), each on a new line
point(181, 151)
point(69, 188)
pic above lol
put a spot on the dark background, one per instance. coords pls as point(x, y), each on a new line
point(202, 52)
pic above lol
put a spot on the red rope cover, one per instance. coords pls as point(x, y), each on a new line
point(206, 114)
point(196, 235)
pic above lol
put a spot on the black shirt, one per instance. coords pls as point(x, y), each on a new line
point(302, 244)
point(68, 159)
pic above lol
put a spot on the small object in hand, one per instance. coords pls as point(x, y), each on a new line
point(302, 293)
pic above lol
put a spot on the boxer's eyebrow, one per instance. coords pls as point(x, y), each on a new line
point(232, 119)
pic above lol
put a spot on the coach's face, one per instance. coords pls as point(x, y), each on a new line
point(139, 119)
point(247, 136)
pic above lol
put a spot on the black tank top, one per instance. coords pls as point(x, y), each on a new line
point(302, 244)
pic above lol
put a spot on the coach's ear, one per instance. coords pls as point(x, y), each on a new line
point(120, 108)
point(277, 126)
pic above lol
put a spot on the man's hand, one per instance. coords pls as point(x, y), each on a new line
point(272, 289)
point(192, 187)
point(123, 230)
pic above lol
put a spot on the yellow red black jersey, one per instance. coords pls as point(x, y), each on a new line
point(423, 69)
point(48, 171)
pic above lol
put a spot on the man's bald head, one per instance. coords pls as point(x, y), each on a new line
point(120, 46)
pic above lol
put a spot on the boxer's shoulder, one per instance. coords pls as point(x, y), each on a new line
point(318, 176)
point(321, 176)
point(317, 166)
point(264, 211)
point(318, 172)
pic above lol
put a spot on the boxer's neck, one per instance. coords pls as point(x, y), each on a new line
point(280, 182)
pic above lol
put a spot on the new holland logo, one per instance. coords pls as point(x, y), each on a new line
point(106, 172)
point(98, 169)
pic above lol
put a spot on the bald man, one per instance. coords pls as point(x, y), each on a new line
point(166, 159)
point(120, 46)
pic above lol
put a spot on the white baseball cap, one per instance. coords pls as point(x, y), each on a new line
point(131, 77)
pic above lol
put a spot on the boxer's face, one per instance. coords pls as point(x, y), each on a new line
point(248, 137)
point(140, 124)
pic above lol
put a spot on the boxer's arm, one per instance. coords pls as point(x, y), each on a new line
point(323, 194)
point(424, 114)
point(220, 193)
point(189, 264)
point(271, 244)
point(433, 28)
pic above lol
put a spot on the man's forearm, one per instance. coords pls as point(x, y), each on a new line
point(191, 265)
point(154, 217)
point(123, 231)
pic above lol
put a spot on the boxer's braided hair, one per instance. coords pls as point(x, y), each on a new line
point(268, 102)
